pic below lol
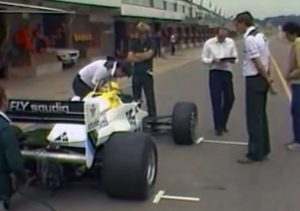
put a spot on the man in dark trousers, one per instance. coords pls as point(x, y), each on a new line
point(220, 76)
point(141, 53)
point(12, 173)
point(256, 69)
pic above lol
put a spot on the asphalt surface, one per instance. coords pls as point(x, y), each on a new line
point(207, 171)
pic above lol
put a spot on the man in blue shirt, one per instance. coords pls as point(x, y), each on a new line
point(141, 53)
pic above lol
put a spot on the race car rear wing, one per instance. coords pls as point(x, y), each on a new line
point(45, 111)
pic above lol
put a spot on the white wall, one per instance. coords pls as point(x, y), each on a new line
point(109, 3)
point(138, 11)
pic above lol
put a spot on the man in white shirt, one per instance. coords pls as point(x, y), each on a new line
point(256, 69)
point(220, 76)
point(96, 74)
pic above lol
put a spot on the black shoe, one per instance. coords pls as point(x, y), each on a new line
point(6, 206)
point(265, 158)
point(225, 130)
point(219, 133)
point(246, 161)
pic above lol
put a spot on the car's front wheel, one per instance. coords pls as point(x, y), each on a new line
point(129, 166)
point(184, 122)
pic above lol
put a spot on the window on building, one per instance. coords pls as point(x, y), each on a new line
point(165, 5)
point(175, 7)
point(151, 3)
point(158, 4)
point(183, 9)
point(191, 12)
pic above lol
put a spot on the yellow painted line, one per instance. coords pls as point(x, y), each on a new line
point(282, 79)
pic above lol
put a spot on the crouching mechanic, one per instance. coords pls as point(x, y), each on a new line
point(12, 172)
point(98, 73)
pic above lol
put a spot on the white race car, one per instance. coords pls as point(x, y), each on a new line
point(105, 134)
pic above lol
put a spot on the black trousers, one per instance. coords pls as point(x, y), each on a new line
point(173, 48)
point(158, 49)
point(257, 122)
point(222, 97)
point(145, 82)
point(295, 108)
point(80, 88)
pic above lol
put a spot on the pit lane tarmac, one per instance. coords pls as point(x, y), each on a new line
point(207, 171)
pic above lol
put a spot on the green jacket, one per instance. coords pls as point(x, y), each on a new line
point(11, 162)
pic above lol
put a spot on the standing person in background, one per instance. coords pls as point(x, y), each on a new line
point(141, 53)
point(157, 37)
point(256, 66)
point(220, 76)
point(12, 172)
point(4, 34)
point(292, 32)
point(173, 44)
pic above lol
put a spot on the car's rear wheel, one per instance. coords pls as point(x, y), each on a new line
point(129, 166)
point(184, 123)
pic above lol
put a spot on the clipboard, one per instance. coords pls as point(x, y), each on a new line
point(228, 59)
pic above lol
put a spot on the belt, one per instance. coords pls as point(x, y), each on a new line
point(253, 76)
point(82, 81)
point(220, 70)
point(79, 77)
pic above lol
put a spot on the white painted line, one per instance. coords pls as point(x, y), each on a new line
point(200, 140)
point(225, 142)
point(181, 198)
point(203, 140)
point(161, 195)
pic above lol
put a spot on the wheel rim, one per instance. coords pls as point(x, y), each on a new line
point(193, 126)
point(151, 170)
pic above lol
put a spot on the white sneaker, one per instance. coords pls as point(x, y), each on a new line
point(293, 147)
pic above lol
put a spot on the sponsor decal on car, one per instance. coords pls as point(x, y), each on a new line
point(31, 106)
point(62, 138)
point(94, 119)
point(130, 115)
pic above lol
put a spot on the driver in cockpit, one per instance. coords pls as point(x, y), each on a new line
point(97, 73)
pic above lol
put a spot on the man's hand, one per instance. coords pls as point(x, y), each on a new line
point(216, 61)
point(271, 85)
point(272, 90)
point(15, 185)
point(292, 76)
point(132, 57)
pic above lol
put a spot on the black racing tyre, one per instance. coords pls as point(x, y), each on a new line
point(184, 122)
point(129, 166)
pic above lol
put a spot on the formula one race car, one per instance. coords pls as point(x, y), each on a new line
point(103, 134)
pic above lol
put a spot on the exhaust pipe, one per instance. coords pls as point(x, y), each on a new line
point(54, 156)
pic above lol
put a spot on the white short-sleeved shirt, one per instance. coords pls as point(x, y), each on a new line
point(94, 73)
point(213, 49)
point(255, 46)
